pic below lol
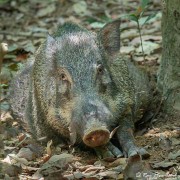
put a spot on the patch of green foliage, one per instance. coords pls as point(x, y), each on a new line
point(138, 15)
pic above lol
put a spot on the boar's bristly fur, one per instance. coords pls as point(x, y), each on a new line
point(79, 88)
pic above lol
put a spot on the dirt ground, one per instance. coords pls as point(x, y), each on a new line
point(24, 26)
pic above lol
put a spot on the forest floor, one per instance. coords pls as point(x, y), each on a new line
point(24, 26)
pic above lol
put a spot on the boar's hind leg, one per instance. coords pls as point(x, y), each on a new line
point(108, 151)
point(126, 139)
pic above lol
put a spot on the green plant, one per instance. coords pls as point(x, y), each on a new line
point(136, 16)
point(3, 1)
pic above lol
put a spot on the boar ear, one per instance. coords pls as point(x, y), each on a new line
point(50, 46)
point(110, 37)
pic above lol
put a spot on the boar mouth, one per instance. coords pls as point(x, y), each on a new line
point(96, 137)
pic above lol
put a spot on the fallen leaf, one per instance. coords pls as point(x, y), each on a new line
point(9, 149)
point(6, 117)
point(58, 161)
point(37, 175)
point(127, 49)
point(69, 176)
point(108, 174)
point(29, 47)
point(163, 164)
point(29, 168)
point(117, 162)
point(36, 148)
point(78, 175)
point(21, 137)
point(129, 34)
point(175, 141)
point(81, 167)
point(118, 169)
point(173, 155)
point(89, 174)
point(45, 158)
point(26, 153)
point(92, 178)
point(138, 59)
point(37, 29)
point(80, 8)
point(12, 47)
point(14, 159)
point(156, 38)
point(47, 10)
point(10, 170)
point(94, 168)
point(55, 166)
point(149, 47)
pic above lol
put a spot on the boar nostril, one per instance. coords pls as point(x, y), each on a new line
point(96, 137)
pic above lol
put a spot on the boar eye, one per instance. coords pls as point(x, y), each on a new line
point(100, 69)
point(63, 77)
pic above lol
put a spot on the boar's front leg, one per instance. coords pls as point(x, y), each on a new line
point(126, 139)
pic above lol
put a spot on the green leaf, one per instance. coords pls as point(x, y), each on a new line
point(149, 17)
point(97, 25)
point(3, 1)
point(133, 17)
point(13, 66)
point(142, 13)
point(3, 85)
point(144, 3)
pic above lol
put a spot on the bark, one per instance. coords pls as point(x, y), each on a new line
point(169, 72)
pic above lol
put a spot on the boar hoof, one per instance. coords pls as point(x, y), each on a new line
point(134, 151)
point(108, 151)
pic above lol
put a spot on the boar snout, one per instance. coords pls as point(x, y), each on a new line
point(96, 133)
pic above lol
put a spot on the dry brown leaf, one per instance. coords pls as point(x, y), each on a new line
point(27, 154)
point(163, 164)
point(14, 159)
point(117, 162)
point(21, 136)
point(45, 158)
point(94, 168)
point(108, 174)
point(174, 155)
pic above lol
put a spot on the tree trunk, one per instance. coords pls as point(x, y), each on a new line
point(169, 71)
